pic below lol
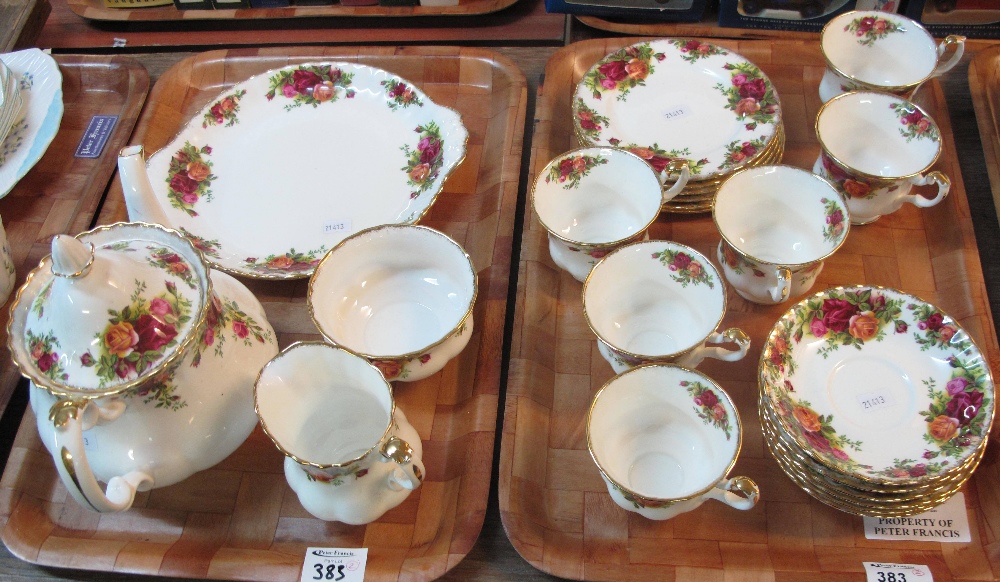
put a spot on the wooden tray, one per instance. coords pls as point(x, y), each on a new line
point(62, 193)
point(240, 520)
point(95, 10)
point(708, 27)
point(984, 84)
point(553, 503)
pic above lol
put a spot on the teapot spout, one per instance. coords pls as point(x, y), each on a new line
point(140, 200)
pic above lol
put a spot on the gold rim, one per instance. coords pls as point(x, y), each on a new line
point(722, 394)
point(601, 245)
point(18, 318)
point(763, 392)
point(662, 358)
point(304, 274)
point(879, 181)
point(793, 266)
point(885, 88)
point(305, 344)
point(409, 355)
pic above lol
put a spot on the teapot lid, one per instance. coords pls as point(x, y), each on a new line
point(109, 309)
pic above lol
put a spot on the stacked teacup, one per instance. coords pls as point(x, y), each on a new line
point(873, 401)
point(671, 100)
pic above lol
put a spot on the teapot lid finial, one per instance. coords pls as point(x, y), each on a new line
point(71, 257)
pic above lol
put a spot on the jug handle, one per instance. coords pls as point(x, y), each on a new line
point(410, 470)
point(67, 416)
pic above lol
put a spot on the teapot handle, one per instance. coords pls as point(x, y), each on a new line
point(68, 418)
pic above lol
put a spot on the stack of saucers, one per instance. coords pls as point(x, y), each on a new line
point(874, 401)
point(668, 100)
point(10, 100)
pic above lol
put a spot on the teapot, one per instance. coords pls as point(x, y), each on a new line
point(142, 360)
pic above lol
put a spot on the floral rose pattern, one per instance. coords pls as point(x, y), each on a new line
point(693, 50)
point(138, 335)
point(870, 29)
point(835, 220)
point(42, 348)
point(159, 392)
point(640, 502)
point(738, 153)
point(934, 329)
point(310, 85)
point(622, 70)
point(423, 163)
point(400, 94)
point(189, 177)
point(590, 122)
point(916, 125)
point(708, 407)
point(207, 247)
point(569, 171)
point(172, 263)
point(957, 414)
point(660, 158)
point(290, 262)
point(684, 268)
point(737, 262)
point(38, 305)
point(223, 112)
point(847, 184)
point(750, 94)
point(338, 476)
point(817, 430)
point(223, 315)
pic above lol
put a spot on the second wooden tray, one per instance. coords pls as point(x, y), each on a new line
point(554, 504)
point(240, 520)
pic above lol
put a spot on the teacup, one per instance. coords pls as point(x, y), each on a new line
point(350, 453)
point(664, 439)
point(778, 224)
point(8, 275)
point(593, 200)
point(882, 51)
point(659, 301)
point(875, 148)
point(399, 295)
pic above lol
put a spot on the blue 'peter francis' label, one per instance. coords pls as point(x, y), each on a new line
point(93, 140)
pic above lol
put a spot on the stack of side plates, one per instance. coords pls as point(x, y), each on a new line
point(874, 401)
point(677, 99)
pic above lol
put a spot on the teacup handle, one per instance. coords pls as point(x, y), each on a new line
point(943, 184)
point(738, 492)
point(951, 40)
point(674, 167)
point(733, 334)
point(779, 292)
point(409, 472)
point(69, 417)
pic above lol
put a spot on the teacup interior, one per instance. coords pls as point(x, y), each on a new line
point(635, 301)
point(778, 214)
point(645, 433)
point(864, 131)
point(904, 56)
point(393, 291)
point(616, 197)
point(322, 404)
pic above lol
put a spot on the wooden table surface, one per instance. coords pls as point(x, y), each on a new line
point(493, 557)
